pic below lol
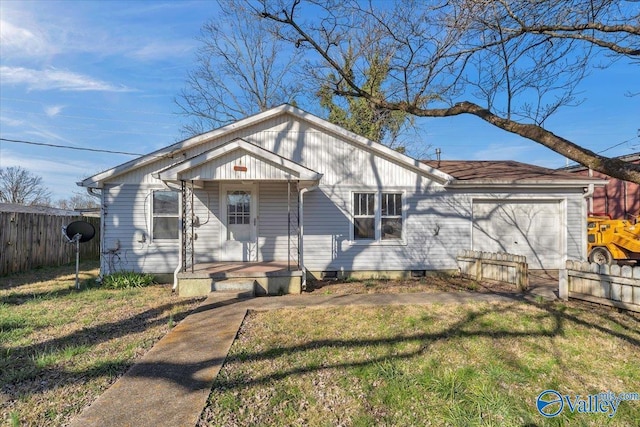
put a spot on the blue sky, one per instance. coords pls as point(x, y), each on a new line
point(104, 75)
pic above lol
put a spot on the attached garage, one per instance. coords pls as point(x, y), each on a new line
point(533, 228)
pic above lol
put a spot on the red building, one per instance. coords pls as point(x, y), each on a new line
point(618, 199)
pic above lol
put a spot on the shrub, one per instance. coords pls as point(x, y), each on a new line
point(127, 279)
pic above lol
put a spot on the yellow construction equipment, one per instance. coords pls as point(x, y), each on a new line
point(612, 240)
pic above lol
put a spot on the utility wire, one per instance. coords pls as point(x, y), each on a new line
point(95, 150)
point(617, 145)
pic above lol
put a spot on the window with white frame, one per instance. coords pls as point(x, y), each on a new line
point(364, 216)
point(391, 216)
point(165, 214)
point(377, 216)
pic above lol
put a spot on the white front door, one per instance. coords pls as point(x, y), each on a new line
point(239, 222)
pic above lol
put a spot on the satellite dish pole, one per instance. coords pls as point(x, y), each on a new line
point(78, 232)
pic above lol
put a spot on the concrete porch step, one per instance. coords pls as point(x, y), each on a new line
point(243, 287)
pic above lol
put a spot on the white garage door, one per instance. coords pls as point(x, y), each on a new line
point(524, 228)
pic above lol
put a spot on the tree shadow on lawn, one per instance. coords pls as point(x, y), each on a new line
point(19, 298)
point(188, 376)
point(46, 274)
point(468, 327)
point(19, 365)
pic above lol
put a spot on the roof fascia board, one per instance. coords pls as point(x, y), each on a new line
point(525, 184)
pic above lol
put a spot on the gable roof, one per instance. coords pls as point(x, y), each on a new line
point(507, 172)
point(290, 169)
point(96, 181)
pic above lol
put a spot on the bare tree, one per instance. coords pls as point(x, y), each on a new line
point(79, 200)
point(511, 63)
point(18, 185)
point(242, 69)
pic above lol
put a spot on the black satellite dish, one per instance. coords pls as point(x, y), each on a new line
point(78, 232)
point(86, 231)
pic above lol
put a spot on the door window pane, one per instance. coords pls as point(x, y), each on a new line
point(239, 216)
point(238, 207)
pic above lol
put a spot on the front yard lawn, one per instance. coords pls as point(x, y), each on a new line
point(460, 365)
point(60, 348)
point(473, 364)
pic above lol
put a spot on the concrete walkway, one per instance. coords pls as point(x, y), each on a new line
point(170, 385)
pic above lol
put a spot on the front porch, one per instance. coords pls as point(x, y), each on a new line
point(241, 208)
point(255, 278)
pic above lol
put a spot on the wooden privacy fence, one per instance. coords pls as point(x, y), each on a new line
point(30, 240)
point(603, 284)
point(499, 267)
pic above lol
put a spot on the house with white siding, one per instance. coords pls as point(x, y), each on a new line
point(284, 196)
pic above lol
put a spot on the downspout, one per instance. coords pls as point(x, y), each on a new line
point(179, 267)
point(182, 243)
point(588, 195)
point(301, 194)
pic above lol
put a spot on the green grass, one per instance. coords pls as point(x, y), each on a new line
point(126, 280)
point(60, 348)
point(458, 365)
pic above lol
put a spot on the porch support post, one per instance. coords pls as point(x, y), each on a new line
point(192, 215)
point(301, 193)
point(301, 236)
point(288, 225)
point(183, 223)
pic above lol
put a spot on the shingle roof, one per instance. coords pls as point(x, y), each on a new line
point(500, 171)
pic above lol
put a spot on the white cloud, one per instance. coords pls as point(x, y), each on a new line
point(162, 49)
point(503, 151)
point(53, 110)
point(58, 175)
point(42, 134)
point(23, 42)
point(43, 33)
point(8, 121)
point(50, 79)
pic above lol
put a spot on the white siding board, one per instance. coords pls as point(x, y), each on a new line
point(328, 225)
point(126, 221)
point(222, 168)
point(207, 210)
point(273, 231)
point(437, 225)
point(342, 162)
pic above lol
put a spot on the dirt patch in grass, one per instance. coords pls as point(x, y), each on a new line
point(432, 282)
point(471, 365)
point(62, 347)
